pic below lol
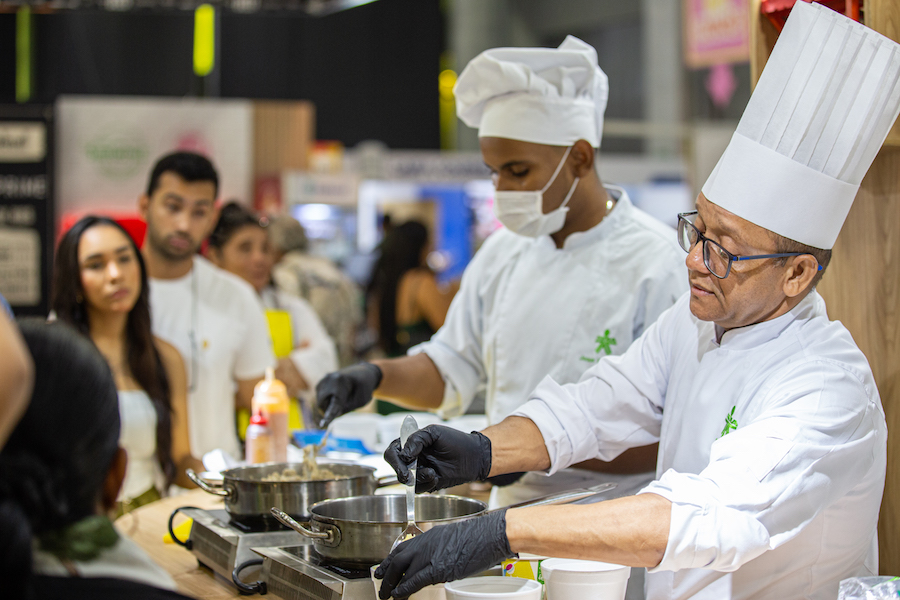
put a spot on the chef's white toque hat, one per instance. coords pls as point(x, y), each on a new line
point(553, 96)
point(821, 110)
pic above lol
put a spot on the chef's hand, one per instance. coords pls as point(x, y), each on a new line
point(444, 553)
point(346, 390)
point(446, 457)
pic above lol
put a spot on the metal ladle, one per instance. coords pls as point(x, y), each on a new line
point(412, 530)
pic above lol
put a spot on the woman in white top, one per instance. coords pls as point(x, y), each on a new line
point(100, 287)
point(240, 244)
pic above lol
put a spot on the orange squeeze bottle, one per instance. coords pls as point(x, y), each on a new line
point(270, 398)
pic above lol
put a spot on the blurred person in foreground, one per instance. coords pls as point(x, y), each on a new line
point(100, 288)
point(332, 294)
point(576, 273)
point(406, 303)
point(60, 475)
point(212, 317)
point(240, 245)
point(772, 437)
point(16, 374)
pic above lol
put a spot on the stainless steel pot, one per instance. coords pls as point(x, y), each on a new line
point(248, 498)
point(360, 531)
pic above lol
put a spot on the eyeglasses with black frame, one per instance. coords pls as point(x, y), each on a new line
point(716, 258)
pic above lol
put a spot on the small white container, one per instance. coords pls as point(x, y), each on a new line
point(570, 579)
point(493, 588)
point(358, 426)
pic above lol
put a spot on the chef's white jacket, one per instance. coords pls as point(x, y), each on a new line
point(785, 503)
point(526, 309)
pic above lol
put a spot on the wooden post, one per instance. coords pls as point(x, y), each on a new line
point(884, 17)
point(283, 136)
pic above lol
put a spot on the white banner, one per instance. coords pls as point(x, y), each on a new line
point(106, 147)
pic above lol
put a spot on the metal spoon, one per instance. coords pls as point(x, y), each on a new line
point(412, 530)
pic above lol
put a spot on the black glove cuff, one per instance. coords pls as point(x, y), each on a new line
point(506, 479)
point(376, 373)
point(485, 444)
point(498, 534)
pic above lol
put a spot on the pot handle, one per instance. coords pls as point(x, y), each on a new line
point(205, 486)
point(386, 481)
point(564, 497)
point(286, 519)
point(258, 587)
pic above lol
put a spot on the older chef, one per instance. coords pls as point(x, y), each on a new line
point(772, 435)
point(577, 273)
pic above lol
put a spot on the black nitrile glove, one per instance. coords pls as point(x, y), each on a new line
point(445, 553)
point(446, 457)
point(505, 479)
point(346, 390)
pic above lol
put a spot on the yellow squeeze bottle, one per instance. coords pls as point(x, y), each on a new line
point(271, 399)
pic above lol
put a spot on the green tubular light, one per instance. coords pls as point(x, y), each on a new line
point(23, 54)
point(204, 39)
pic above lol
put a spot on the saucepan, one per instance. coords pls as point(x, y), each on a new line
point(248, 498)
point(359, 531)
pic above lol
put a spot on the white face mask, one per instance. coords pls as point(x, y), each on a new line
point(523, 212)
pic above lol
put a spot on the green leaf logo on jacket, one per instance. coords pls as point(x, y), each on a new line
point(730, 423)
point(604, 344)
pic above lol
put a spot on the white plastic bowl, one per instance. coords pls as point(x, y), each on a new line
point(358, 426)
point(570, 579)
point(493, 588)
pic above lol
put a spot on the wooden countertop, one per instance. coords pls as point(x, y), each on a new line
point(148, 524)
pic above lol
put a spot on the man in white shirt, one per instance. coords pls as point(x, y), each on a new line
point(772, 436)
point(214, 318)
point(577, 273)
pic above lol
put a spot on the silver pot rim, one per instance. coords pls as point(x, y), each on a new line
point(233, 474)
point(315, 517)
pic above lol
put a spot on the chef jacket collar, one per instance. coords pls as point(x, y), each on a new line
point(601, 230)
point(752, 336)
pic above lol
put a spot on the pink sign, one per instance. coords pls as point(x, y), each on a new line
point(716, 32)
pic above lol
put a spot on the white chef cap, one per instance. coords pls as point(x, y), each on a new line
point(553, 96)
point(822, 108)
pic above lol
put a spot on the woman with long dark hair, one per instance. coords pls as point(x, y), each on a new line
point(405, 303)
point(100, 288)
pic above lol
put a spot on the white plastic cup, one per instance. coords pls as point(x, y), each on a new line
point(493, 588)
point(429, 592)
point(569, 579)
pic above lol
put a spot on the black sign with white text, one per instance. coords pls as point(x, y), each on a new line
point(26, 207)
